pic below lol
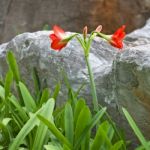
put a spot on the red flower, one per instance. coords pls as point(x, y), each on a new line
point(117, 37)
point(58, 38)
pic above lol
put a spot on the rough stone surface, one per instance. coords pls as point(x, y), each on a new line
point(33, 50)
point(121, 78)
point(18, 16)
point(132, 77)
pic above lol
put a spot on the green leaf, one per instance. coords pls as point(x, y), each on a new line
point(13, 66)
point(18, 121)
point(28, 100)
point(7, 87)
point(110, 132)
point(101, 137)
point(79, 89)
point(5, 121)
point(65, 78)
point(54, 145)
point(66, 147)
point(136, 129)
point(79, 106)
point(59, 117)
point(83, 119)
point(45, 96)
point(117, 145)
point(11, 60)
point(37, 84)
point(8, 81)
point(72, 98)
point(2, 92)
point(56, 91)
point(141, 147)
point(69, 128)
point(55, 131)
point(42, 129)
point(21, 111)
point(30, 124)
point(90, 125)
point(4, 140)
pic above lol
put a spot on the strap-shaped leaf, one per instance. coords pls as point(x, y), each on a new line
point(69, 124)
point(37, 83)
point(54, 145)
point(83, 120)
point(13, 66)
point(8, 81)
point(55, 131)
point(27, 98)
point(45, 96)
point(101, 139)
point(42, 129)
point(2, 92)
point(90, 125)
point(79, 106)
point(117, 145)
point(4, 134)
point(56, 91)
point(21, 111)
point(136, 129)
point(31, 123)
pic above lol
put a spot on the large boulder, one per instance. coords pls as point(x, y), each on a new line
point(132, 77)
point(122, 79)
point(31, 15)
point(33, 50)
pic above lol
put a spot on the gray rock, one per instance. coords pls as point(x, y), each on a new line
point(132, 76)
point(33, 50)
point(121, 78)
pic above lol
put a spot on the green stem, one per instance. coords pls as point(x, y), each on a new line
point(95, 100)
point(92, 83)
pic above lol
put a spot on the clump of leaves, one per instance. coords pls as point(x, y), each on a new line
point(34, 122)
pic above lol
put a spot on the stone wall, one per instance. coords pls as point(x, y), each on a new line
point(18, 16)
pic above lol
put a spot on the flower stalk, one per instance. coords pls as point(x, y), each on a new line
point(92, 83)
point(59, 41)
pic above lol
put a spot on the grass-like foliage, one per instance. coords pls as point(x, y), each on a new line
point(34, 122)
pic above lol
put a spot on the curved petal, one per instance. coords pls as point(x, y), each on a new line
point(117, 44)
point(57, 45)
point(120, 31)
point(59, 32)
point(117, 37)
point(53, 37)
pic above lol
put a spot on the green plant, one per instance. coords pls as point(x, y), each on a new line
point(60, 40)
point(70, 126)
point(34, 122)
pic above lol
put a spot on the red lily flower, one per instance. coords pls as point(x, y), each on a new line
point(58, 38)
point(117, 37)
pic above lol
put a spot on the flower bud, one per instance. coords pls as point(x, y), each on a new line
point(85, 30)
point(99, 28)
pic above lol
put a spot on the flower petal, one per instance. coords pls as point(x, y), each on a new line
point(57, 45)
point(117, 37)
point(117, 44)
point(53, 37)
point(59, 32)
